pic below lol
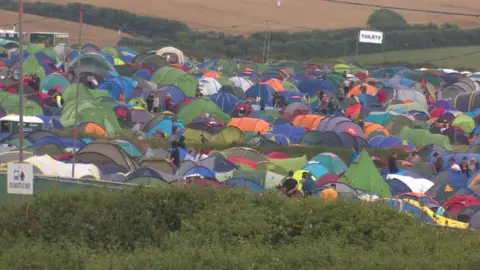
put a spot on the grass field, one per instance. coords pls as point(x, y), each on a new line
point(453, 57)
point(91, 34)
point(247, 16)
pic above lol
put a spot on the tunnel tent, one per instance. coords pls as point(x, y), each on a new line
point(363, 174)
point(201, 106)
point(11, 105)
point(70, 92)
point(112, 50)
point(166, 75)
point(92, 60)
point(423, 137)
point(54, 80)
point(31, 66)
point(172, 51)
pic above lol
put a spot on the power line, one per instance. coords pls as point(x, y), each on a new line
point(404, 9)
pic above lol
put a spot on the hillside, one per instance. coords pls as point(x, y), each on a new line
point(246, 16)
point(92, 34)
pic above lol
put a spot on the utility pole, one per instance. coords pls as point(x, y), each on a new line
point(20, 89)
point(77, 96)
point(266, 42)
point(196, 41)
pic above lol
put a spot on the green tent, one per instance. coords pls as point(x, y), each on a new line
point(290, 86)
point(33, 49)
point(364, 175)
point(70, 93)
point(68, 112)
point(201, 106)
point(113, 51)
point(154, 60)
point(465, 122)
point(422, 137)
point(102, 116)
point(11, 104)
point(291, 164)
point(50, 53)
point(335, 80)
point(53, 80)
point(166, 75)
point(31, 66)
point(187, 83)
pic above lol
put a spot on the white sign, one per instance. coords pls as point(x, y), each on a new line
point(370, 37)
point(20, 179)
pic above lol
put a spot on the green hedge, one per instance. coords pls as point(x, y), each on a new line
point(156, 32)
point(201, 228)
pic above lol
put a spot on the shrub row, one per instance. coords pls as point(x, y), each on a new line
point(201, 228)
point(157, 32)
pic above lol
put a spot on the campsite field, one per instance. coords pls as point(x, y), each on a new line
point(247, 16)
point(97, 35)
point(453, 57)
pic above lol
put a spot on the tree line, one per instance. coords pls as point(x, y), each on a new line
point(152, 32)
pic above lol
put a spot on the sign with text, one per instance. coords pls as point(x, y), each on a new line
point(372, 37)
point(20, 178)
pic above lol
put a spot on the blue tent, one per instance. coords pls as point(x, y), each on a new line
point(225, 101)
point(176, 93)
point(312, 87)
point(68, 142)
point(143, 73)
point(264, 91)
point(49, 140)
point(118, 85)
point(279, 139)
point(295, 134)
point(201, 170)
point(238, 182)
point(316, 169)
point(165, 126)
point(293, 96)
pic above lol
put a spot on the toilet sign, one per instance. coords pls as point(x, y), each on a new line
point(372, 37)
point(20, 178)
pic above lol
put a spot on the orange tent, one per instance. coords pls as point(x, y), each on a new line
point(93, 129)
point(353, 111)
point(355, 91)
point(369, 127)
point(250, 124)
point(276, 85)
point(309, 121)
point(211, 74)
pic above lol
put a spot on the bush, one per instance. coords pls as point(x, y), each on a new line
point(387, 20)
point(201, 228)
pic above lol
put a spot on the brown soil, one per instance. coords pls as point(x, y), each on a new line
point(246, 16)
point(91, 34)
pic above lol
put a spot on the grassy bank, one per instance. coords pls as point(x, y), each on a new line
point(452, 57)
point(192, 228)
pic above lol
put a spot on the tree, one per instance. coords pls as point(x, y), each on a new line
point(386, 19)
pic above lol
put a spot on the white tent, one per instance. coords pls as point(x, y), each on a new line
point(209, 86)
point(51, 167)
point(172, 50)
point(241, 83)
point(419, 185)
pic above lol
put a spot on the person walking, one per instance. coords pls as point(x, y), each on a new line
point(392, 163)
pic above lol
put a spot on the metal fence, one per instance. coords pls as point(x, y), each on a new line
point(44, 183)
